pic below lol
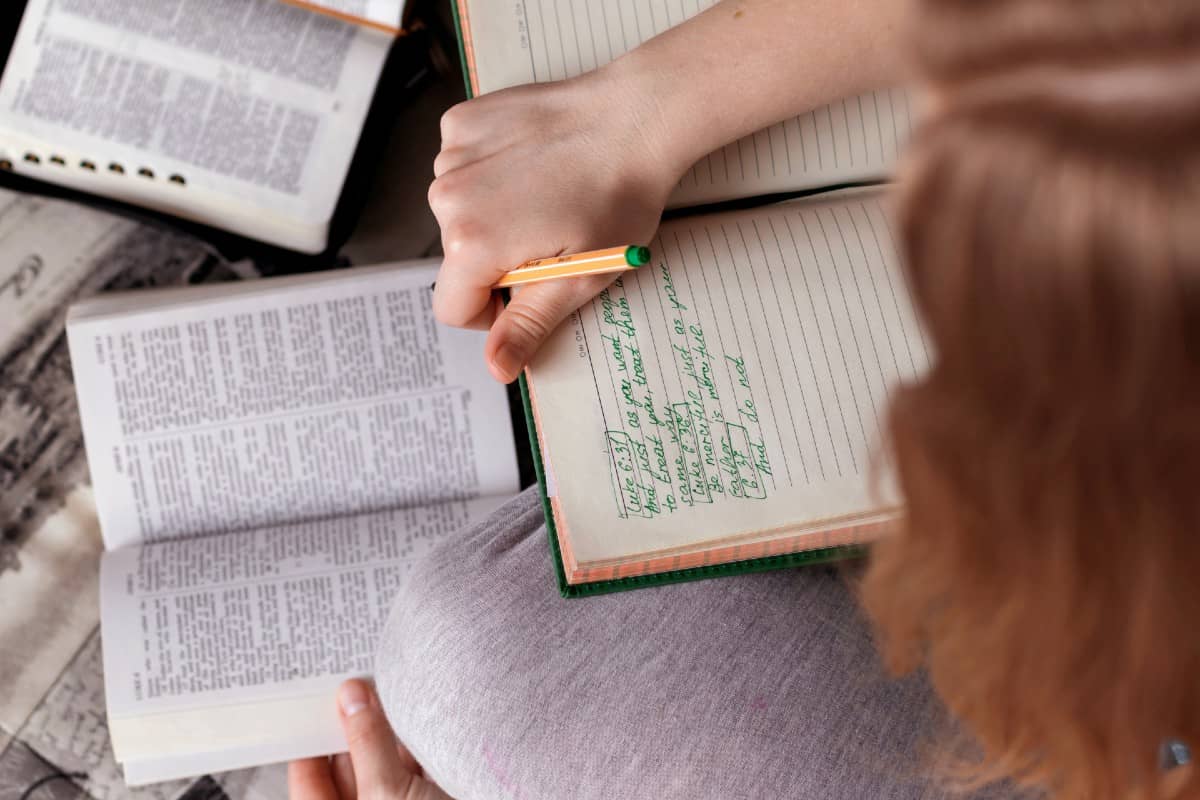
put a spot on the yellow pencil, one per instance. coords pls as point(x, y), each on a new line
point(597, 262)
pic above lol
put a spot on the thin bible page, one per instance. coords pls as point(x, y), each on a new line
point(536, 41)
point(260, 617)
point(311, 402)
point(244, 115)
point(735, 385)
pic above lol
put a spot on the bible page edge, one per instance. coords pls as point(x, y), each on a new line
point(116, 305)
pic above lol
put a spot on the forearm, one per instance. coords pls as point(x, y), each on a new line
point(745, 64)
point(602, 152)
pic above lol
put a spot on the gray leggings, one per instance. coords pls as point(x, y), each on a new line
point(762, 686)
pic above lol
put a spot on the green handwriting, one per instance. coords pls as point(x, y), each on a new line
point(675, 452)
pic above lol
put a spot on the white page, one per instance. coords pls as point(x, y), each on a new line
point(318, 400)
point(536, 41)
point(311, 725)
point(238, 641)
point(735, 384)
point(255, 104)
point(384, 12)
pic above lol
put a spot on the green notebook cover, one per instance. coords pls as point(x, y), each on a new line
point(807, 557)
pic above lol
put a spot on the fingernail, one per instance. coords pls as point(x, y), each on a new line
point(508, 361)
point(353, 698)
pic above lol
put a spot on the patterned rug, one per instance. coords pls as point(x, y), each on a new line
point(54, 740)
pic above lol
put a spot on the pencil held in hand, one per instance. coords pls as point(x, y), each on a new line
point(597, 262)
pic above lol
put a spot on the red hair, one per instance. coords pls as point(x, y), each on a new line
point(1048, 573)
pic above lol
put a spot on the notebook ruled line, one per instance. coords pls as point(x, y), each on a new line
point(620, 496)
point(758, 351)
point(850, 318)
point(575, 33)
point(587, 16)
point(532, 63)
point(892, 117)
point(774, 351)
point(792, 350)
point(562, 42)
point(837, 334)
point(857, 230)
point(714, 392)
point(607, 33)
point(887, 229)
point(855, 138)
point(737, 273)
point(661, 306)
point(821, 337)
point(545, 43)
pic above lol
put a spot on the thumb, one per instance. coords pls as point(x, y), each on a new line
point(378, 770)
point(529, 319)
point(382, 769)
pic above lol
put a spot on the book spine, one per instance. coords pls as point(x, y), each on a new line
point(462, 28)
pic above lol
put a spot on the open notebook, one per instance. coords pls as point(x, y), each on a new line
point(241, 114)
point(719, 409)
point(536, 41)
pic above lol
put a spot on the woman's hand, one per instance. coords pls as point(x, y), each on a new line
point(377, 768)
point(539, 171)
point(587, 163)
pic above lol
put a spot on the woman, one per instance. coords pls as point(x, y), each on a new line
point(1048, 575)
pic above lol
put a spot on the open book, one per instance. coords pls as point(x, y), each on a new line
point(536, 41)
point(719, 409)
point(268, 458)
point(241, 115)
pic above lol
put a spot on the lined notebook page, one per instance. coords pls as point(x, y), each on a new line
point(735, 385)
point(534, 41)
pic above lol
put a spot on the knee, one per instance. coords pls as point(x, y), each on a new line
point(433, 665)
point(419, 662)
point(420, 648)
point(456, 590)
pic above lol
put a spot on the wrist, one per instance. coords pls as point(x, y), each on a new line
point(652, 143)
point(684, 117)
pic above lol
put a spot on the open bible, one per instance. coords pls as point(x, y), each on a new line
point(268, 459)
point(719, 409)
point(240, 114)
